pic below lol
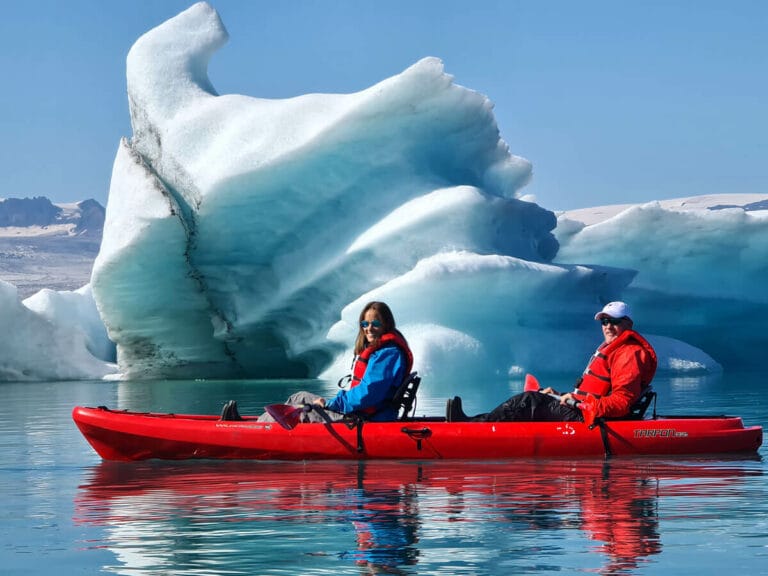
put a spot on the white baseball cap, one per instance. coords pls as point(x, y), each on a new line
point(615, 310)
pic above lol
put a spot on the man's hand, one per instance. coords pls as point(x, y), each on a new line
point(569, 399)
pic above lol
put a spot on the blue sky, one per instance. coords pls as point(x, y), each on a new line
point(612, 101)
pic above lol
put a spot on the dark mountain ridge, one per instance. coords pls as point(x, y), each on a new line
point(48, 245)
point(86, 217)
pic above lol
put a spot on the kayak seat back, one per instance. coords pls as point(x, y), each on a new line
point(404, 399)
point(638, 409)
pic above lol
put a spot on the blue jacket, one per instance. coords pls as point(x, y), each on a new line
point(385, 371)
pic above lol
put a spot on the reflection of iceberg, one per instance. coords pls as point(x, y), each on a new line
point(271, 216)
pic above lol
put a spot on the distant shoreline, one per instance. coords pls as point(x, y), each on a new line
point(56, 251)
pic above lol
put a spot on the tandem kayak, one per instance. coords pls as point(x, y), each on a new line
point(126, 435)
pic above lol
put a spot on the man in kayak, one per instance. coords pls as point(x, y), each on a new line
point(383, 360)
point(618, 372)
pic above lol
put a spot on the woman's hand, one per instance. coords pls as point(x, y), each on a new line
point(549, 390)
point(319, 402)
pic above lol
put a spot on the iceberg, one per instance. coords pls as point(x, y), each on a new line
point(701, 263)
point(238, 228)
point(243, 235)
point(53, 336)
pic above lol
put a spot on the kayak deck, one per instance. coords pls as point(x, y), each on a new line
point(125, 435)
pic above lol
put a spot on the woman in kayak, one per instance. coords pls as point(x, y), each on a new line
point(383, 360)
point(616, 376)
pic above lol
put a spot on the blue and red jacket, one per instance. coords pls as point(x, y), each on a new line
point(377, 373)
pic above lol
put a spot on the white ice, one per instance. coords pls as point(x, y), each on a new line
point(701, 266)
point(243, 236)
point(52, 336)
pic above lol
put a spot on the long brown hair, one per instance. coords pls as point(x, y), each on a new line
point(387, 319)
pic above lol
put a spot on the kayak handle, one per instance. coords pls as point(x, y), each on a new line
point(417, 434)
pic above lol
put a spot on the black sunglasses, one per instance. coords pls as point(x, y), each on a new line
point(605, 320)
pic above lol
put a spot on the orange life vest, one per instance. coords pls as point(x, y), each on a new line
point(596, 380)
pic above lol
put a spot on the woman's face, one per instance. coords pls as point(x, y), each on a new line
point(372, 326)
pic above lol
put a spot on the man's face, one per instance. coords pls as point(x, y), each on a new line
point(613, 327)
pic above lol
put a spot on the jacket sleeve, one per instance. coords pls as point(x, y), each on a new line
point(626, 382)
point(386, 368)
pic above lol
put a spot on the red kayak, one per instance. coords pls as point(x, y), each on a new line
point(125, 435)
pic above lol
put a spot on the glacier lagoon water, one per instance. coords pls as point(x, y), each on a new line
point(66, 509)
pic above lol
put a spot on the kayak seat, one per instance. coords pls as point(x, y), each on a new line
point(638, 409)
point(404, 399)
point(230, 412)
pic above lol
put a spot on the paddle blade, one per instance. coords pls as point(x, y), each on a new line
point(531, 384)
point(587, 408)
point(285, 414)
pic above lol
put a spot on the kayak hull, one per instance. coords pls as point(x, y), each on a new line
point(127, 436)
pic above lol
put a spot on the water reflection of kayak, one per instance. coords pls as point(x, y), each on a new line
point(125, 435)
point(694, 477)
point(391, 505)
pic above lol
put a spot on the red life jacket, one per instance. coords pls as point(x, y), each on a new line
point(596, 380)
point(361, 362)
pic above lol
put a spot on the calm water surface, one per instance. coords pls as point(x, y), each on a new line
point(66, 511)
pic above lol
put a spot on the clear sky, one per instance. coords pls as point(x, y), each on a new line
point(612, 101)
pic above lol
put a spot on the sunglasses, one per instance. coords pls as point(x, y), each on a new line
point(374, 324)
point(605, 320)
